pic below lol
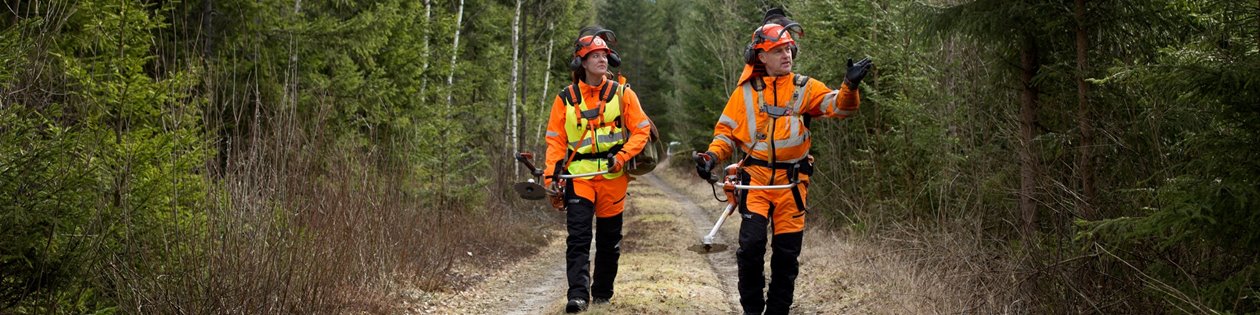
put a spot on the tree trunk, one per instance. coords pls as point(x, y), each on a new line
point(516, 46)
point(524, 99)
point(450, 77)
point(424, 67)
point(542, 100)
point(1027, 124)
point(1084, 161)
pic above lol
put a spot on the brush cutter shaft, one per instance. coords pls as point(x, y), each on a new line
point(754, 187)
point(568, 176)
point(708, 239)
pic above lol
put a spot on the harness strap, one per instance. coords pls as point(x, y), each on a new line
point(802, 166)
point(800, 202)
point(794, 170)
point(571, 95)
point(597, 155)
point(606, 93)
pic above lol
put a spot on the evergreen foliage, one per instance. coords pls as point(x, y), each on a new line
point(247, 155)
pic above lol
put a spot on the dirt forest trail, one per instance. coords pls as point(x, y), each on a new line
point(658, 275)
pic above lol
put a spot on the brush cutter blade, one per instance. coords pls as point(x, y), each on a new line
point(530, 191)
point(707, 248)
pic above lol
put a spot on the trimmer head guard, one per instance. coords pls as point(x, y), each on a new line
point(707, 248)
point(530, 191)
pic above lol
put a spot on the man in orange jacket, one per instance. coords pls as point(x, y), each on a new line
point(767, 117)
point(596, 124)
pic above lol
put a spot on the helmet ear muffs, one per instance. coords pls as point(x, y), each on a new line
point(796, 51)
point(750, 55)
point(614, 60)
point(575, 64)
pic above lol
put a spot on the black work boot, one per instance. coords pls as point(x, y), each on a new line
point(600, 301)
point(575, 305)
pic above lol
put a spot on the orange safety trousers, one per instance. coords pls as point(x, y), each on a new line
point(608, 195)
point(777, 205)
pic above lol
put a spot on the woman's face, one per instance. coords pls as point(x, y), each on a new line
point(596, 63)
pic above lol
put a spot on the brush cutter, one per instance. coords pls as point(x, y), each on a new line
point(532, 188)
point(734, 192)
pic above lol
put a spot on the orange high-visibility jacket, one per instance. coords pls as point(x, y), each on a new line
point(635, 122)
point(745, 123)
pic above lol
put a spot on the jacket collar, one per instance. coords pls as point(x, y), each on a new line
point(587, 89)
point(760, 72)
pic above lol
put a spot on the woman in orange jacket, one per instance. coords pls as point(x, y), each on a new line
point(596, 125)
point(767, 118)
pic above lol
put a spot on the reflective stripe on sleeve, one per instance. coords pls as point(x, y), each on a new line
point(729, 122)
point(829, 102)
point(725, 139)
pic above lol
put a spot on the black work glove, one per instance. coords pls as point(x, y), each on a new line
point(615, 162)
point(856, 71)
point(704, 165)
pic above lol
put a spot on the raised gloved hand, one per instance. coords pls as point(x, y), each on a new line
point(704, 164)
point(856, 71)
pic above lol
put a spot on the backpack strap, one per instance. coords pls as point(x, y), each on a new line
point(757, 84)
point(609, 90)
point(800, 80)
point(571, 95)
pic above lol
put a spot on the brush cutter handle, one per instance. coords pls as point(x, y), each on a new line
point(568, 176)
point(527, 158)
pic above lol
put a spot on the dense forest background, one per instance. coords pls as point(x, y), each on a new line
point(260, 156)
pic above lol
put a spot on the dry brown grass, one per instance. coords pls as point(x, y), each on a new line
point(899, 270)
point(290, 229)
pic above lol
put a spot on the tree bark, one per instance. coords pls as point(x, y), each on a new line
point(424, 67)
point(524, 99)
point(1028, 120)
point(450, 77)
point(516, 46)
point(1084, 161)
point(542, 100)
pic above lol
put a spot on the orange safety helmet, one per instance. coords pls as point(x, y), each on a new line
point(598, 40)
point(775, 31)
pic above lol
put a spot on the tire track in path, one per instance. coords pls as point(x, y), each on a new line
point(656, 274)
point(723, 263)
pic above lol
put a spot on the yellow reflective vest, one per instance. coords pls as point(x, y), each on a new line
point(594, 131)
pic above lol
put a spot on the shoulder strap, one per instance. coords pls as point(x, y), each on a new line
point(608, 91)
point(800, 80)
point(571, 95)
point(757, 84)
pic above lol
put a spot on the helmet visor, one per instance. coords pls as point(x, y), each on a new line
point(600, 39)
point(792, 28)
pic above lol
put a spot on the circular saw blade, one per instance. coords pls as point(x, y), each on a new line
point(708, 248)
point(530, 191)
